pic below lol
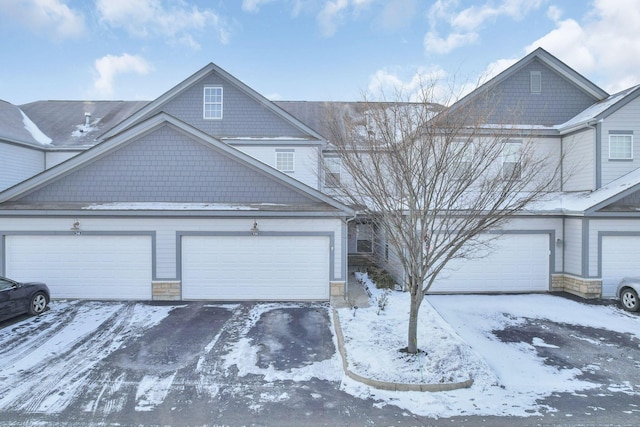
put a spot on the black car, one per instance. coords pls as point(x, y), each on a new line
point(18, 298)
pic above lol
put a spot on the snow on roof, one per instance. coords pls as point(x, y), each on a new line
point(35, 132)
point(596, 109)
point(175, 206)
point(585, 200)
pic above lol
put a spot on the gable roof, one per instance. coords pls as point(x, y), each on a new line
point(600, 110)
point(17, 127)
point(321, 201)
point(555, 64)
point(64, 121)
point(550, 61)
point(172, 93)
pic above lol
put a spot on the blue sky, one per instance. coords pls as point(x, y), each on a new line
point(301, 49)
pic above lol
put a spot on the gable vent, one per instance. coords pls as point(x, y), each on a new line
point(536, 82)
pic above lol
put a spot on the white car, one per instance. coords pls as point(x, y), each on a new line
point(627, 293)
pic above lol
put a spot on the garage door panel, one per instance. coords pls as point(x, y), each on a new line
point(86, 267)
point(516, 263)
point(620, 258)
point(255, 267)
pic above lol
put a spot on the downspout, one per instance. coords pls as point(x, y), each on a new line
point(346, 251)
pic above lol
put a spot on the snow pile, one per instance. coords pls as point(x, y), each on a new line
point(373, 342)
point(458, 334)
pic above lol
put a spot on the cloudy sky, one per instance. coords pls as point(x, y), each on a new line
point(301, 49)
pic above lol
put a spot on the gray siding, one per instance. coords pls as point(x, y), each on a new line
point(579, 162)
point(167, 166)
point(572, 246)
point(511, 101)
point(632, 201)
point(18, 163)
point(626, 120)
point(242, 115)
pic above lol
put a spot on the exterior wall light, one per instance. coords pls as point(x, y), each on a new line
point(254, 230)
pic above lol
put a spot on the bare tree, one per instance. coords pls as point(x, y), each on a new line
point(435, 180)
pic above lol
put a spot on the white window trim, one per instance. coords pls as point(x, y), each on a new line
point(617, 135)
point(205, 103)
point(508, 155)
point(464, 153)
point(329, 170)
point(279, 166)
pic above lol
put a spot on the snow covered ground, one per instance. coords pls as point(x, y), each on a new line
point(457, 334)
point(92, 358)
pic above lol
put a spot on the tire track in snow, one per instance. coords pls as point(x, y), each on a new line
point(50, 385)
point(18, 342)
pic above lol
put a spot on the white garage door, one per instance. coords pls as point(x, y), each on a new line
point(87, 267)
point(518, 263)
point(255, 267)
point(620, 258)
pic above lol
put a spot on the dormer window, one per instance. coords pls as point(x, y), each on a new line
point(535, 82)
point(212, 102)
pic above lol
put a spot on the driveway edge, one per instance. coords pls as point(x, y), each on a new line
point(384, 385)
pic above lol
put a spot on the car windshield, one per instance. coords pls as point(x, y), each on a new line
point(5, 284)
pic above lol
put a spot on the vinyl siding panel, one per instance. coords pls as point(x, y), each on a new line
point(625, 119)
point(306, 160)
point(242, 115)
point(572, 246)
point(512, 101)
point(56, 157)
point(18, 164)
point(167, 166)
point(579, 168)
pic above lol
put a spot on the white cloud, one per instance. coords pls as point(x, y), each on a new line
point(253, 5)
point(400, 85)
point(462, 26)
point(398, 13)
point(52, 18)
point(604, 45)
point(434, 43)
point(151, 18)
point(334, 13)
point(110, 66)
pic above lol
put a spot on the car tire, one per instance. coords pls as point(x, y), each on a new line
point(629, 300)
point(37, 304)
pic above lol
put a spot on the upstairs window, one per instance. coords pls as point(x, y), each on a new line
point(463, 151)
point(332, 172)
point(621, 147)
point(285, 160)
point(511, 166)
point(212, 102)
point(535, 82)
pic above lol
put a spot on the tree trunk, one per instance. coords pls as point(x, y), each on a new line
point(416, 300)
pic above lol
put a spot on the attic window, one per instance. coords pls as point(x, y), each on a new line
point(212, 102)
point(535, 82)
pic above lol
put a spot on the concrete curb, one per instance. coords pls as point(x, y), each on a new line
point(383, 385)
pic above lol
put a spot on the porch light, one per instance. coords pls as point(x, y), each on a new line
point(76, 227)
point(558, 242)
point(254, 230)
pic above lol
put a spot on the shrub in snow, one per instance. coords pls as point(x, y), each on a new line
point(381, 277)
point(383, 300)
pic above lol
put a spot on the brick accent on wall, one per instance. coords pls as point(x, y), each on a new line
point(166, 291)
point(585, 288)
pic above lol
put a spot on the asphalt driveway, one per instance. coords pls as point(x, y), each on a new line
point(105, 363)
point(86, 363)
